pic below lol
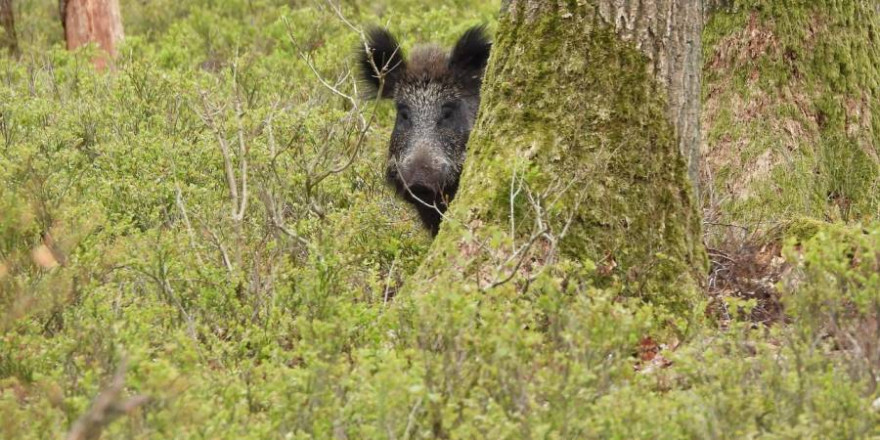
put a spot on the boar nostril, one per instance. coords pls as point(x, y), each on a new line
point(421, 173)
point(421, 180)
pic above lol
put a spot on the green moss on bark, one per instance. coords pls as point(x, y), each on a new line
point(792, 110)
point(571, 113)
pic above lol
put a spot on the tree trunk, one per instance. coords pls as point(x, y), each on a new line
point(7, 22)
point(669, 33)
point(792, 111)
point(576, 153)
point(93, 21)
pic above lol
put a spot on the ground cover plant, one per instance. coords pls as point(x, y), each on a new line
point(201, 242)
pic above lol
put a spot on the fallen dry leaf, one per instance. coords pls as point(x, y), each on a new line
point(648, 348)
point(43, 257)
point(606, 267)
point(650, 357)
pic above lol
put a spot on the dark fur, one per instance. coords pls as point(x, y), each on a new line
point(437, 95)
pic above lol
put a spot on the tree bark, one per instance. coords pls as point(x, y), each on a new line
point(587, 108)
point(669, 33)
point(93, 21)
point(7, 22)
point(792, 111)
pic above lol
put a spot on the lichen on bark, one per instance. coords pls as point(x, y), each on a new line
point(574, 138)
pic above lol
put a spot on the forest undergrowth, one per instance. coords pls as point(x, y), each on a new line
point(200, 241)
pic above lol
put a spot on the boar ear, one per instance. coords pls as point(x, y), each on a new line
point(471, 52)
point(381, 62)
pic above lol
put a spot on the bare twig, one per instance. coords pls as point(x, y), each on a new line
point(522, 253)
point(513, 195)
point(338, 11)
point(209, 117)
point(189, 229)
point(222, 249)
point(108, 406)
point(410, 420)
point(314, 177)
point(543, 229)
point(243, 163)
point(388, 281)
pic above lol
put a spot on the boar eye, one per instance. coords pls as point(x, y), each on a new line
point(447, 111)
point(403, 112)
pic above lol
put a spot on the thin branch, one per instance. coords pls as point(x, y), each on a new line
point(243, 163)
point(341, 16)
point(523, 251)
point(388, 281)
point(208, 117)
point(223, 253)
point(189, 229)
point(313, 178)
point(513, 195)
point(410, 420)
point(106, 407)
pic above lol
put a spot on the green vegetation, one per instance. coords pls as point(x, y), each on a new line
point(285, 317)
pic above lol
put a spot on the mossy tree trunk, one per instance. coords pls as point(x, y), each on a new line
point(8, 39)
point(791, 111)
point(93, 21)
point(576, 156)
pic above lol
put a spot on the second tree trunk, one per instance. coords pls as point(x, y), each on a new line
point(93, 21)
